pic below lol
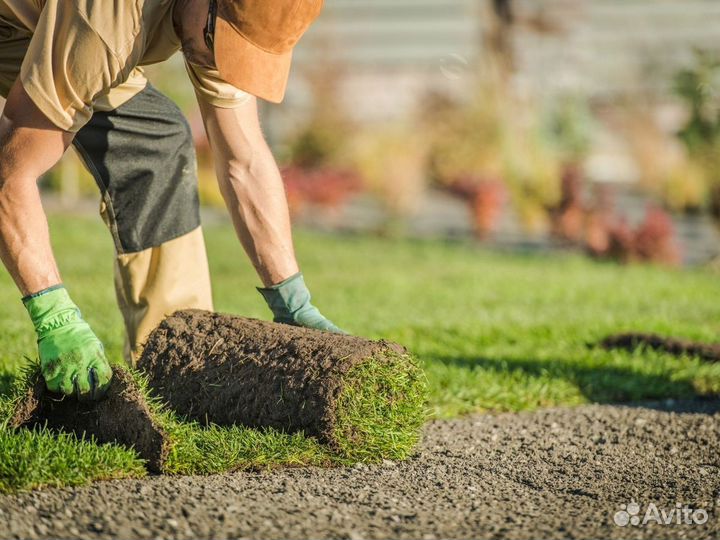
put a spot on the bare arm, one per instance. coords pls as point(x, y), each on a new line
point(72, 359)
point(29, 145)
point(251, 185)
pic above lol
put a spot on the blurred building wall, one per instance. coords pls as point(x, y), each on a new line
point(384, 55)
point(606, 48)
point(388, 53)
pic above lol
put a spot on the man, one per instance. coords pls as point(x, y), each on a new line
point(71, 73)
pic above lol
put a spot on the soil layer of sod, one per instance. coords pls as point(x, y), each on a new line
point(123, 417)
point(561, 473)
point(364, 399)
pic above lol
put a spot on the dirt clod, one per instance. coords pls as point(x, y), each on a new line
point(123, 417)
point(630, 341)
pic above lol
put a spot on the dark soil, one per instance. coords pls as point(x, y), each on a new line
point(122, 417)
point(630, 341)
point(227, 370)
point(560, 473)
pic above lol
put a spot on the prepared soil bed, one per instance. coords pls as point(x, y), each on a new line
point(364, 399)
point(123, 417)
point(709, 352)
point(560, 473)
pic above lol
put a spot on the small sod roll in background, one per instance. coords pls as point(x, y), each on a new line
point(364, 399)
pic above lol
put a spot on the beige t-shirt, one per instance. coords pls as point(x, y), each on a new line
point(85, 55)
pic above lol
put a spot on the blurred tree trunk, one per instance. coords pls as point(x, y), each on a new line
point(499, 36)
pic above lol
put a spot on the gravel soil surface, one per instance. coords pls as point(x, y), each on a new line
point(557, 473)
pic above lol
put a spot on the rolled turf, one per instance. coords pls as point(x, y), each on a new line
point(364, 399)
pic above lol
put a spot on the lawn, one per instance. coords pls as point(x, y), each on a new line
point(493, 331)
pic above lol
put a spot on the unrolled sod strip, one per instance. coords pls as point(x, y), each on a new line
point(365, 399)
point(123, 417)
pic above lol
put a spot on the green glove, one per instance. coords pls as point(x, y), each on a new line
point(72, 358)
point(290, 303)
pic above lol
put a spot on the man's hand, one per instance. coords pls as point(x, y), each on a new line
point(72, 358)
point(290, 303)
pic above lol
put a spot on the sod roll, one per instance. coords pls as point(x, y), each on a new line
point(365, 399)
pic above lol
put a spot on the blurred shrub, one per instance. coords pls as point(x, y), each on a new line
point(699, 87)
point(651, 241)
point(687, 178)
point(317, 169)
point(391, 161)
point(654, 151)
point(498, 140)
point(685, 187)
point(681, 169)
point(568, 124)
point(327, 187)
point(533, 170)
point(466, 139)
point(208, 188)
point(465, 153)
point(320, 142)
point(486, 199)
point(568, 217)
point(655, 238)
point(620, 243)
point(597, 233)
point(666, 169)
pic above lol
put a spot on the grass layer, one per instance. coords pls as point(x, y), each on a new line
point(40, 457)
point(37, 458)
point(379, 415)
point(380, 410)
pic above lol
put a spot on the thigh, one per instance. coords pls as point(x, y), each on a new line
point(142, 157)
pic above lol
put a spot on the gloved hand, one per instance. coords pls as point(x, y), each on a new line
point(72, 358)
point(290, 303)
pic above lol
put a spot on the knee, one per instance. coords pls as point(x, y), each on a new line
point(184, 138)
point(181, 147)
